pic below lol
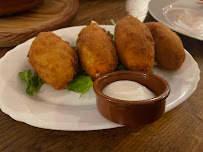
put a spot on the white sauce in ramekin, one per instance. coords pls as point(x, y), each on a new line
point(128, 90)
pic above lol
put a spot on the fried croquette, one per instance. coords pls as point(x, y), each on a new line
point(169, 50)
point(53, 60)
point(96, 51)
point(135, 45)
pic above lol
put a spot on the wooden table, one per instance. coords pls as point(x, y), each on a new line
point(181, 129)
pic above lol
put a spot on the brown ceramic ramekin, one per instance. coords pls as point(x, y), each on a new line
point(132, 113)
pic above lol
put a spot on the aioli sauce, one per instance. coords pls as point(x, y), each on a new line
point(128, 90)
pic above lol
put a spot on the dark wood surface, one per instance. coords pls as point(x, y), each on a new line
point(179, 130)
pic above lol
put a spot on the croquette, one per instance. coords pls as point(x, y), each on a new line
point(96, 51)
point(169, 50)
point(134, 43)
point(53, 60)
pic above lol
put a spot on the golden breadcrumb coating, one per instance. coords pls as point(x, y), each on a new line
point(96, 51)
point(134, 43)
point(169, 50)
point(53, 60)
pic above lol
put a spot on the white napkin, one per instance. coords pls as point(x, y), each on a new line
point(137, 8)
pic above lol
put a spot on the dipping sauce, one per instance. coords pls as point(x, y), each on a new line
point(128, 90)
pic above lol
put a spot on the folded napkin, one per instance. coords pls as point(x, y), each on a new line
point(137, 8)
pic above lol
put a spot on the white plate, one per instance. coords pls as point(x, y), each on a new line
point(183, 16)
point(63, 110)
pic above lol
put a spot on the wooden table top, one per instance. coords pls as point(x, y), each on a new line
point(180, 129)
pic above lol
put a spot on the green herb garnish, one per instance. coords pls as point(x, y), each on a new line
point(120, 67)
point(73, 45)
point(81, 84)
point(151, 71)
point(33, 82)
point(112, 22)
point(112, 36)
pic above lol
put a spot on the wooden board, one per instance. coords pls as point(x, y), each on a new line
point(50, 15)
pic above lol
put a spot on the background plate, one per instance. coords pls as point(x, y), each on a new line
point(183, 16)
